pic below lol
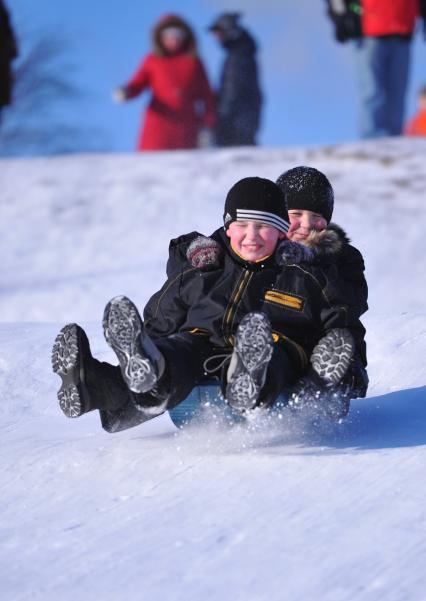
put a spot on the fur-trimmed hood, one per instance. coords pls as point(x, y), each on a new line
point(189, 45)
point(319, 246)
point(329, 241)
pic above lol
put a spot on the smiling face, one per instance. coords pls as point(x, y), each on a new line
point(253, 240)
point(303, 222)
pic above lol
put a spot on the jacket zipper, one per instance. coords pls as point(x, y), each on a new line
point(231, 309)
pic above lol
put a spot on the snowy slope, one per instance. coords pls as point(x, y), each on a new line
point(280, 511)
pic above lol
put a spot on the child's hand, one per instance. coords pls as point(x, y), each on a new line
point(204, 253)
point(293, 252)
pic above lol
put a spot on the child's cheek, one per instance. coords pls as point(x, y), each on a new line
point(320, 224)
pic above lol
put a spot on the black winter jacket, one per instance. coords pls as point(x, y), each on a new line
point(297, 288)
point(239, 98)
point(332, 248)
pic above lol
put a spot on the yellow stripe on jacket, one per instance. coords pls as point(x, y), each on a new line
point(284, 299)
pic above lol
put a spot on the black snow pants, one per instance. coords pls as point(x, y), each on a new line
point(190, 359)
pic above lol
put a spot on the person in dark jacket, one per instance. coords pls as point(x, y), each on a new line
point(8, 52)
point(182, 103)
point(310, 201)
point(245, 297)
point(239, 98)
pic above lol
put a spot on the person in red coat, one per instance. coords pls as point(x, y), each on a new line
point(388, 28)
point(182, 103)
point(382, 30)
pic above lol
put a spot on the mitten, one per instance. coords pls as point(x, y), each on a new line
point(204, 253)
point(293, 252)
point(119, 95)
point(356, 380)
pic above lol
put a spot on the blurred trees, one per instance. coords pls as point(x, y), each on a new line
point(43, 116)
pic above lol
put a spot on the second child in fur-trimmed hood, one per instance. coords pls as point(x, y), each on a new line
point(310, 202)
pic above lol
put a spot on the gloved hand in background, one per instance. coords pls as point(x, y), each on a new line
point(119, 94)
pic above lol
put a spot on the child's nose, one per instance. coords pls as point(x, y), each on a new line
point(307, 223)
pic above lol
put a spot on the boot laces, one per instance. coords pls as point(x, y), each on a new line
point(216, 362)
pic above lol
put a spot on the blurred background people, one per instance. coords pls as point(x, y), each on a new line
point(8, 52)
point(384, 56)
point(239, 98)
point(182, 103)
point(417, 125)
point(387, 28)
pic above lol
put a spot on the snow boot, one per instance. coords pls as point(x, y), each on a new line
point(141, 363)
point(321, 389)
point(249, 362)
point(332, 355)
point(87, 383)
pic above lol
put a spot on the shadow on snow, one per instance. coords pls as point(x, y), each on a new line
point(393, 420)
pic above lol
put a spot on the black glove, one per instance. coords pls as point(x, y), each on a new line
point(347, 27)
point(355, 381)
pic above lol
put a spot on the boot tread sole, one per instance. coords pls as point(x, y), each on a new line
point(65, 364)
point(253, 348)
point(332, 355)
point(122, 329)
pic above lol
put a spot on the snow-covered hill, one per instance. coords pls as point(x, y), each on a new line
point(281, 511)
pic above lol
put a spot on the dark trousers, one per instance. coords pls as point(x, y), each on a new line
point(189, 359)
point(186, 356)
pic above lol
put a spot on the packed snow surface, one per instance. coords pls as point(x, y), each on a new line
point(281, 510)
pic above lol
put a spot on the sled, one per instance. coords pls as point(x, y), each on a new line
point(206, 403)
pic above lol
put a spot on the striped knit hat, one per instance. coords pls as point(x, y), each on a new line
point(256, 199)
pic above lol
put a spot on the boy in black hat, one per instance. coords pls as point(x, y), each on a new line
point(310, 201)
point(244, 298)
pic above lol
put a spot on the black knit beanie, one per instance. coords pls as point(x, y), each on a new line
point(308, 189)
point(256, 199)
